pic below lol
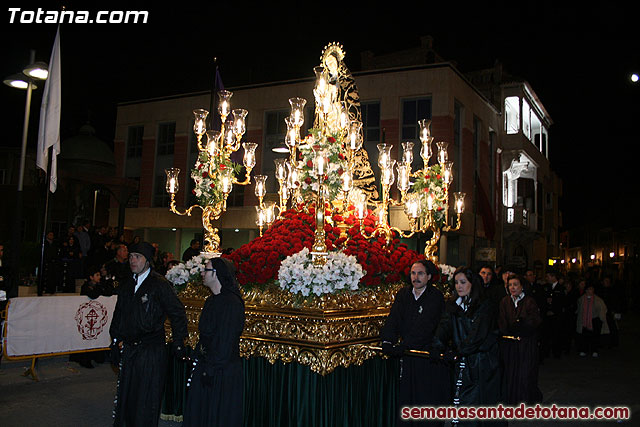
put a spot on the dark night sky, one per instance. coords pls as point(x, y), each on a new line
point(577, 61)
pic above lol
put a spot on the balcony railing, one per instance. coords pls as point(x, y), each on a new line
point(518, 216)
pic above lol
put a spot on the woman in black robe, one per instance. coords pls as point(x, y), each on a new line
point(466, 329)
point(216, 386)
point(519, 318)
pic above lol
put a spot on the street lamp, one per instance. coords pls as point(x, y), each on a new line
point(24, 80)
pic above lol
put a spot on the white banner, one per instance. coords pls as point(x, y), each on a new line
point(50, 110)
point(43, 325)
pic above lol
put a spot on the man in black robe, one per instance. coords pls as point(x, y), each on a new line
point(192, 250)
point(145, 300)
point(553, 317)
point(118, 269)
point(413, 318)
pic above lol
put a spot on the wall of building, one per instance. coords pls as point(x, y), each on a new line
point(440, 82)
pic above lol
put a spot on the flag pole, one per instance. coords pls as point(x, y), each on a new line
point(213, 91)
point(44, 227)
point(49, 140)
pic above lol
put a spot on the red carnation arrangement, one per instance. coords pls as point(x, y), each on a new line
point(258, 261)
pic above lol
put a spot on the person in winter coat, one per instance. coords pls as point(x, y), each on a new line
point(519, 318)
point(466, 329)
point(591, 321)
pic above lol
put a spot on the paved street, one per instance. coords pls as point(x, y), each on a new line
point(68, 395)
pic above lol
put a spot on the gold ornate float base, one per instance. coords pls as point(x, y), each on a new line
point(322, 333)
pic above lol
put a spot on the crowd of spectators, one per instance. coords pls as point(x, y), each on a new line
point(72, 258)
point(578, 313)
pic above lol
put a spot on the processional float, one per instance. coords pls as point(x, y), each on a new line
point(328, 175)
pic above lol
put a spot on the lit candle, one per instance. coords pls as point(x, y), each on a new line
point(347, 182)
point(459, 198)
point(226, 184)
point(260, 220)
point(260, 189)
point(381, 216)
point(171, 185)
point(361, 208)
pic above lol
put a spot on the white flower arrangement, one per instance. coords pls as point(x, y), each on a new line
point(446, 271)
point(189, 271)
point(337, 164)
point(298, 274)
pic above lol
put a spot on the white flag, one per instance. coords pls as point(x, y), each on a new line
point(49, 131)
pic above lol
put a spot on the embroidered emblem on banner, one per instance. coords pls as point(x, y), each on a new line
point(91, 318)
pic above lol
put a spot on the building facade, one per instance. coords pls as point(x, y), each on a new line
point(500, 161)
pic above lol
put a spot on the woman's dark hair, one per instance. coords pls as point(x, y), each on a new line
point(226, 273)
point(473, 278)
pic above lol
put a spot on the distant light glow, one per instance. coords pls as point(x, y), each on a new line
point(635, 77)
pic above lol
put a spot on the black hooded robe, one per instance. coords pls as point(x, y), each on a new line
point(138, 322)
point(423, 381)
point(520, 357)
point(215, 396)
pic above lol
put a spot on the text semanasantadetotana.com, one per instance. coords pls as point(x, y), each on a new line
point(521, 412)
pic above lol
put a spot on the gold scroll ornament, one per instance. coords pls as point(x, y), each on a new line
point(321, 332)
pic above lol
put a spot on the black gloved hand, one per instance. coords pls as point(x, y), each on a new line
point(114, 353)
point(450, 356)
point(398, 350)
point(516, 327)
point(387, 348)
point(179, 351)
point(207, 378)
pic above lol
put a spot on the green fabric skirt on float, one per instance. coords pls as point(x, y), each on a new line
point(290, 394)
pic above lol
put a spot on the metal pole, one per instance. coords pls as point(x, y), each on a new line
point(44, 225)
point(25, 128)
point(95, 203)
point(16, 238)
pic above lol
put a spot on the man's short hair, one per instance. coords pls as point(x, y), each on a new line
point(429, 266)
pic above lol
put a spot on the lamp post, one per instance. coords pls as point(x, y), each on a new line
point(25, 80)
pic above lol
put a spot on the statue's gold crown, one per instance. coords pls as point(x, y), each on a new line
point(333, 48)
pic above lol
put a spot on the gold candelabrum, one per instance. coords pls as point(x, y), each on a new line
point(426, 206)
point(214, 172)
